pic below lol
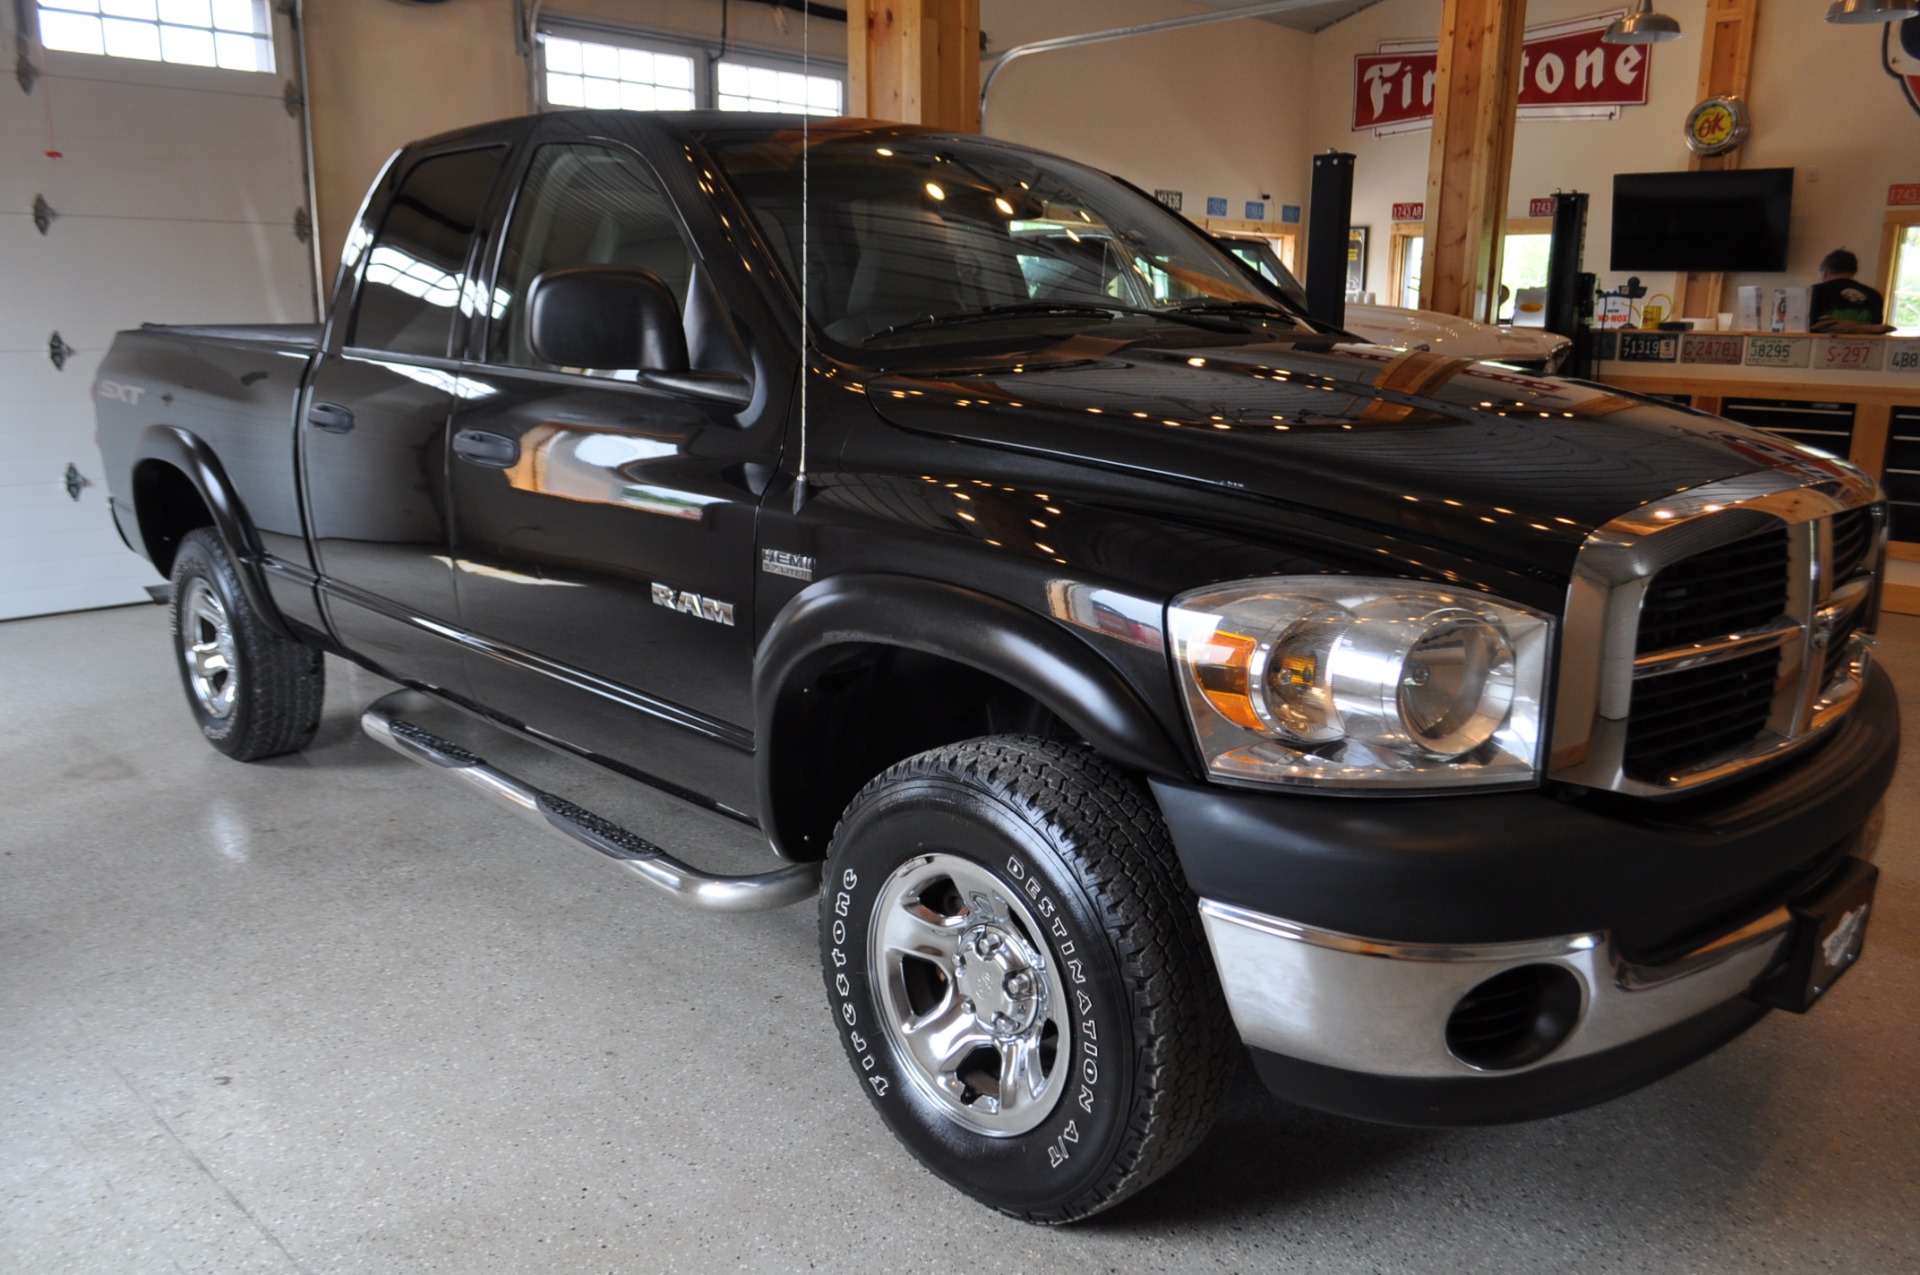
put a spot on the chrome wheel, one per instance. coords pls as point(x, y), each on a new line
point(970, 995)
point(207, 646)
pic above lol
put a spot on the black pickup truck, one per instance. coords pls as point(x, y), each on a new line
point(1134, 670)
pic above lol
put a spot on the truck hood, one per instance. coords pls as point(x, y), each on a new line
point(1505, 465)
point(1452, 335)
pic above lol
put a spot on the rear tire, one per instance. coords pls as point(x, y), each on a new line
point(1017, 971)
point(254, 693)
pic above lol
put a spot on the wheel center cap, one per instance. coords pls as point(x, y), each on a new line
point(997, 972)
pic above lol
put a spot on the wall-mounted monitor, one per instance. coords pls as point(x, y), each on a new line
point(1730, 219)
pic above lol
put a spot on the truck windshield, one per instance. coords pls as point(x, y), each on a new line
point(921, 240)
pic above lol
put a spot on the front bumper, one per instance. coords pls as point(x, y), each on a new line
point(1346, 932)
point(1433, 1034)
point(1660, 876)
point(1383, 1008)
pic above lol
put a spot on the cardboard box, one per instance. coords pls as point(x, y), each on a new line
point(1613, 312)
point(1750, 310)
point(1790, 307)
point(1530, 308)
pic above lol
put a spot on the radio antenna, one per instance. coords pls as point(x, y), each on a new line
point(806, 247)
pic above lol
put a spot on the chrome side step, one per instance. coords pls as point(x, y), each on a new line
point(793, 883)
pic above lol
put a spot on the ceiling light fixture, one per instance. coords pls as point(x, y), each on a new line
point(1643, 26)
point(1860, 12)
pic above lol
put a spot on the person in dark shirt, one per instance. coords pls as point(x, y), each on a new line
point(1841, 303)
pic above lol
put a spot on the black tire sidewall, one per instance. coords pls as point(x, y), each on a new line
point(200, 558)
point(1053, 1167)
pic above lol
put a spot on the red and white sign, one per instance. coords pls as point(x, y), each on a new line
point(1535, 208)
point(1566, 72)
point(1900, 56)
point(1903, 195)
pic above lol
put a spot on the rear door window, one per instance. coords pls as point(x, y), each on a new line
point(416, 268)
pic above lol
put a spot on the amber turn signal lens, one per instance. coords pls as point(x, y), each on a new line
point(1220, 667)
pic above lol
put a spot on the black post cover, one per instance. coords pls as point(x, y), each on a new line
point(1332, 215)
point(1569, 291)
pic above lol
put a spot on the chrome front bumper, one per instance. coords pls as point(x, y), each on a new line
point(1381, 1009)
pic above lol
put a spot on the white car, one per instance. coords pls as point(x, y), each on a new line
point(1532, 348)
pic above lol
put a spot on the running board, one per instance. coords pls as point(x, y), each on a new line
point(794, 883)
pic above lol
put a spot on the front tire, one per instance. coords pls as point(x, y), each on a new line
point(1016, 968)
point(254, 693)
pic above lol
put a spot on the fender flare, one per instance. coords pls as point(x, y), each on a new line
point(1017, 646)
point(188, 453)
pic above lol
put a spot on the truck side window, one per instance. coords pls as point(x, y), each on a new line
point(411, 289)
point(581, 205)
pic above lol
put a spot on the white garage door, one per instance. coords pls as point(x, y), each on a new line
point(170, 186)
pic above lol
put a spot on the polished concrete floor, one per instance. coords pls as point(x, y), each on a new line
point(328, 1014)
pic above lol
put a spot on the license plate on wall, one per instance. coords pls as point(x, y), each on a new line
point(1649, 347)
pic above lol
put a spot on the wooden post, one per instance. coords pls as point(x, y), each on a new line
point(916, 61)
point(1471, 160)
point(1872, 429)
point(1726, 66)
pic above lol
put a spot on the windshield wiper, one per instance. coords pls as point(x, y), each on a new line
point(1252, 309)
point(992, 312)
point(1044, 308)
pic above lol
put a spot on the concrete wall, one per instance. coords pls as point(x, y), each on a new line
point(1214, 110)
point(384, 74)
point(1234, 110)
point(1823, 106)
point(1820, 102)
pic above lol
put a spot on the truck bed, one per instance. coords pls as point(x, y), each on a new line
point(234, 388)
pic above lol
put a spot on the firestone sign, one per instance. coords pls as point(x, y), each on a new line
point(1566, 72)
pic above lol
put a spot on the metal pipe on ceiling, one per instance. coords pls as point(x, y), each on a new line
point(830, 12)
point(1258, 10)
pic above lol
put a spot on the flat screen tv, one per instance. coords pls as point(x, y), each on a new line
point(1733, 219)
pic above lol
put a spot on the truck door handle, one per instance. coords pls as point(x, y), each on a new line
point(478, 447)
point(331, 417)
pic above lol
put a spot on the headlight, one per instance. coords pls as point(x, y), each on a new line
point(1328, 681)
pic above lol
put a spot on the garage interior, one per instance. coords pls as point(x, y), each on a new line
point(320, 1013)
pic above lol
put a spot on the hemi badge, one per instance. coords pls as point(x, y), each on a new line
point(778, 562)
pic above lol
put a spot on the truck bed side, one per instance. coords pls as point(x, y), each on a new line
point(166, 394)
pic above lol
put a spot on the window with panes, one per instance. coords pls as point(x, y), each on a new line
point(234, 35)
point(603, 71)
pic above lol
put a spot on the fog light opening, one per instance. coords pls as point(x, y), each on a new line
point(1515, 1018)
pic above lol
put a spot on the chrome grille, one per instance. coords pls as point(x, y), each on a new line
point(1683, 711)
point(1716, 630)
point(1703, 711)
point(1852, 538)
point(1736, 587)
point(1838, 654)
point(1851, 559)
